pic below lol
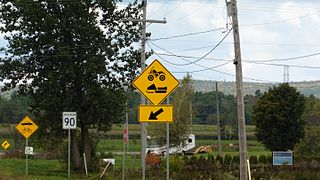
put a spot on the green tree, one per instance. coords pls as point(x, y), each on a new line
point(278, 117)
point(310, 144)
point(180, 127)
point(312, 111)
point(71, 56)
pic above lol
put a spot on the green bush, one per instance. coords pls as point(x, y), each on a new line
point(227, 160)
point(236, 160)
point(263, 159)
point(176, 163)
point(253, 160)
point(219, 159)
point(211, 158)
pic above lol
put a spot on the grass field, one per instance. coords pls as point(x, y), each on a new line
point(55, 169)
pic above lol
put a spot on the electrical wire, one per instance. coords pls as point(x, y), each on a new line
point(202, 57)
point(286, 59)
point(258, 61)
point(188, 34)
point(212, 69)
point(292, 66)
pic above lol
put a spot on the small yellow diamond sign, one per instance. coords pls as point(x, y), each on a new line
point(156, 82)
point(27, 127)
point(5, 145)
point(157, 114)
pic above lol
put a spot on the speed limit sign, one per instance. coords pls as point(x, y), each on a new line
point(69, 120)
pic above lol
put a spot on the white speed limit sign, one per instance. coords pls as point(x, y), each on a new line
point(69, 120)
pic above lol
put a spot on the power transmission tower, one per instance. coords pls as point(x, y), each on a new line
point(239, 86)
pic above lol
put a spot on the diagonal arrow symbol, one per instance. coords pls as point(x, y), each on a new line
point(153, 116)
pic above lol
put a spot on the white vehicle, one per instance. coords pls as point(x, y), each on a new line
point(155, 149)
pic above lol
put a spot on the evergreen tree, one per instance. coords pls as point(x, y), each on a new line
point(278, 117)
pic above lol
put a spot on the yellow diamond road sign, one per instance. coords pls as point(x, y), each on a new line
point(156, 82)
point(27, 127)
point(5, 145)
point(158, 113)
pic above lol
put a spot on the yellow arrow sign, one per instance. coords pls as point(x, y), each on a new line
point(27, 127)
point(157, 114)
point(156, 82)
point(5, 145)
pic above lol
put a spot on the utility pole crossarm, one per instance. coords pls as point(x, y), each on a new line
point(164, 21)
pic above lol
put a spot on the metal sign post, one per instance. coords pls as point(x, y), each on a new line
point(167, 148)
point(27, 163)
point(27, 127)
point(69, 121)
point(69, 150)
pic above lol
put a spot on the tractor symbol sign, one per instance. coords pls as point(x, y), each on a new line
point(156, 82)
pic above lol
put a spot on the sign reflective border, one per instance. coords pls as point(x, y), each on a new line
point(156, 114)
point(156, 82)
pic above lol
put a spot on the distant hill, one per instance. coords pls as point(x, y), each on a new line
point(306, 88)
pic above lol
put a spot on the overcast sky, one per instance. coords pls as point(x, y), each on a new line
point(273, 34)
point(269, 30)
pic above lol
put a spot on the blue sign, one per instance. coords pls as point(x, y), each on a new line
point(282, 158)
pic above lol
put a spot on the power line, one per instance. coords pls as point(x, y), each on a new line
point(260, 61)
point(286, 59)
point(202, 57)
point(294, 66)
point(184, 35)
point(214, 70)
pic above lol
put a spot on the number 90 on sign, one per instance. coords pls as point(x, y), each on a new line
point(69, 120)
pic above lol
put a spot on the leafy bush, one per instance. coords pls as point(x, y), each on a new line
point(152, 160)
point(176, 163)
point(227, 160)
point(253, 160)
point(219, 159)
point(263, 159)
point(236, 159)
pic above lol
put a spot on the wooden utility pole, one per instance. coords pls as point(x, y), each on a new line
point(144, 20)
point(239, 87)
point(218, 120)
point(142, 98)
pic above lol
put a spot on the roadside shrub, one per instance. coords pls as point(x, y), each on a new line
point(219, 159)
point(211, 158)
point(253, 160)
point(227, 160)
point(263, 159)
point(236, 160)
point(13, 154)
point(152, 160)
point(176, 163)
